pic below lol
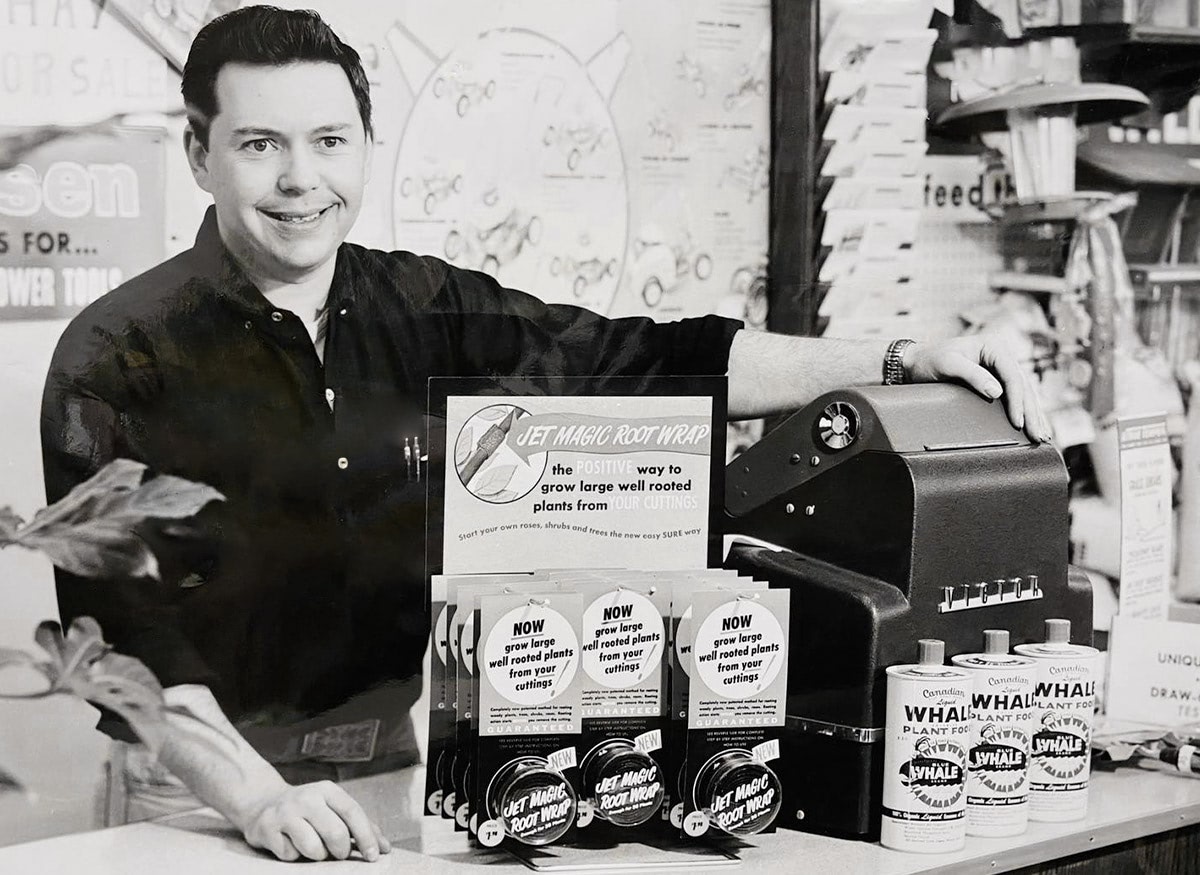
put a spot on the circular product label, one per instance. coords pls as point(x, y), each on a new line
point(744, 797)
point(488, 466)
point(490, 833)
point(999, 760)
point(466, 644)
point(536, 806)
point(936, 774)
point(683, 642)
point(695, 823)
point(1060, 746)
point(739, 649)
point(441, 633)
point(434, 803)
point(462, 816)
point(531, 655)
point(586, 813)
point(626, 786)
point(449, 803)
point(622, 638)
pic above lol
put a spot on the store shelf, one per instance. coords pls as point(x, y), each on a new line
point(1125, 805)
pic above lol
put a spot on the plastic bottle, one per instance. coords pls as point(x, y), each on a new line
point(1002, 709)
point(925, 754)
point(1060, 749)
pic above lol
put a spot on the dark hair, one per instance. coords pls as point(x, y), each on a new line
point(268, 36)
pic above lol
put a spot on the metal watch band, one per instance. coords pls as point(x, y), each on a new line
point(893, 362)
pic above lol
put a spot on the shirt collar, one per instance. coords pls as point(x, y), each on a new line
point(217, 265)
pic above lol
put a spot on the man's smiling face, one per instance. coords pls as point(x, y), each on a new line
point(286, 163)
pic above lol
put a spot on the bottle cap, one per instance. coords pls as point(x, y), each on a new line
point(1058, 631)
point(931, 651)
point(995, 641)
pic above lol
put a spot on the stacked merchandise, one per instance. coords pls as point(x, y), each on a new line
point(610, 706)
point(872, 61)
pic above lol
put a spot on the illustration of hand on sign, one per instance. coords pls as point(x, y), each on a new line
point(486, 465)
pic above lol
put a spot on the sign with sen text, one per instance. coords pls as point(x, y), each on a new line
point(79, 215)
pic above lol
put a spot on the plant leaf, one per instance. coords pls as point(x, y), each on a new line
point(13, 656)
point(168, 497)
point(494, 480)
point(9, 784)
point(10, 523)
point(92, 532)
point(495, 413)
point(86, 499)
point(462, 449)
point(97, 548)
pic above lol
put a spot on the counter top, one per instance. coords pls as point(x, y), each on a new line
point(1124, 805)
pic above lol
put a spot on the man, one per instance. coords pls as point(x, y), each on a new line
point(288, 369)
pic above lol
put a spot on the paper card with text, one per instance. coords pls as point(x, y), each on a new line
point(1146, 475)
point(1154, 671)
point(579, 481)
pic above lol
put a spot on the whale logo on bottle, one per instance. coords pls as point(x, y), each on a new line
point(936, 774)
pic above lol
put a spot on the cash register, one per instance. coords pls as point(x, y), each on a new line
point(893, 513)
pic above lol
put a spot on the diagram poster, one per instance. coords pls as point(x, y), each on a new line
point(581, 482)
point(614, 156)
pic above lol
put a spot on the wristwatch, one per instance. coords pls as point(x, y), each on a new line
point(893, 362)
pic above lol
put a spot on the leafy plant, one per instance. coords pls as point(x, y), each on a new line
point(92, 533)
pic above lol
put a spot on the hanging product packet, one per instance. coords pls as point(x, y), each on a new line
point(441, 713)
point(736, 710)
point(622, 647)
point(444, 766)
point(679, 667)
point(530, 585)
point(461, 592)
point(526, 772)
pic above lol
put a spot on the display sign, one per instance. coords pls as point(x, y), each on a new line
point(595, 481)
point(1146, 521)
point(79, 215)
point(68, 63)
point(1154, 671)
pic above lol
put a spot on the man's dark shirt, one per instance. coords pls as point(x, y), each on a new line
point(307, 584)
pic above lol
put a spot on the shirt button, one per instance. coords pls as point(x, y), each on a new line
point(329, 395)
point(343, 463)
point(247, 324)
point(276, 316)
